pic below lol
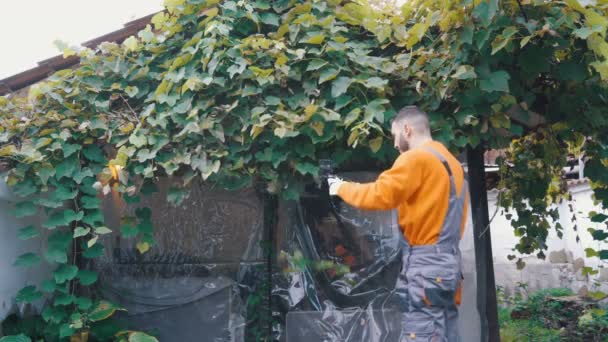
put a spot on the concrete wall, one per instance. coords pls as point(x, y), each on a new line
point(565, 257)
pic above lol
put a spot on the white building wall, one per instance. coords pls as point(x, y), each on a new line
point(565, 257)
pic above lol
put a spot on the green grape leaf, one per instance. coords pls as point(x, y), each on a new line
point(65, 273)
point(27, 260)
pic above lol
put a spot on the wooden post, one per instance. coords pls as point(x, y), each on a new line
point(486, 287)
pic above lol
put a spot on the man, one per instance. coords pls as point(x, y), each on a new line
point(426, 185)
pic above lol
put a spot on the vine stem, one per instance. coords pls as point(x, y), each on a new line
point(130, 108)
point(521, 9)
point(74, 246)
point(493, 216)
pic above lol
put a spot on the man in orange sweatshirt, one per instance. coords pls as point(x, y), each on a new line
point(426, 185)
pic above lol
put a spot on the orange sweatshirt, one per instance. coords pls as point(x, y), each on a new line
point(418, 186)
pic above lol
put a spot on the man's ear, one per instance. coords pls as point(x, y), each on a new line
point(407, 130)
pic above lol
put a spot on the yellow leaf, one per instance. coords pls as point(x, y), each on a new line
point(92, 242)
point(574, 4)
point(601, 68)
point(159, 19)
point(34, 91)
point(180, 61)
point(12, 180)
point(327, 21)
point(351, 13)
point(330, 115)
point(7, 150)
point(352, 138)
point(43, 142)
point(67, 52)
point(190, 84)
point(309, 111)
point(598, 45)
point(261, 72)
point(131, 43)
point(484, 126)
point(280, 132)
point(82, 336)
point(595, 19)
point(68, 123)
point(64, 48)
point(172, 5)
point(238, 165)
point(525, 41)
point(122, 156)
point(207, 123)
point(210, 13)
point(281, 60)
point(126, 129)
point(256, 130)
point(415, 34)
point(375, 144)
point(318, 39)
point(352, 116)
point(299, 9)
point(143, 247)
point(500, 120)
point(283, 29)
point(214, 168)
point(341, 39)
point(47, 131)
point(318, 126)
point(163, 88)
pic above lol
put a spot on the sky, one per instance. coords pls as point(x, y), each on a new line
point(28, 28)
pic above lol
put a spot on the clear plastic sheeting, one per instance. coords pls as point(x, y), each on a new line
point(193, 285)
point(343, 325)
point(329, 305)
point(12, 278)
point(333, 276)
point(355, 301)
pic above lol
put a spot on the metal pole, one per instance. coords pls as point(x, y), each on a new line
point(271, 208)
point(486, 286)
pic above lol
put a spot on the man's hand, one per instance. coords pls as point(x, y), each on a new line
point(334, 184)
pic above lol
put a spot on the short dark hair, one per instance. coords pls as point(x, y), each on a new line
point(414, 117)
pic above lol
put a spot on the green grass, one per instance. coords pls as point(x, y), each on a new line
point(524, 330)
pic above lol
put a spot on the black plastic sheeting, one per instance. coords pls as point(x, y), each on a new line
point(314, 304)
point(329, 305)
point(328, 272)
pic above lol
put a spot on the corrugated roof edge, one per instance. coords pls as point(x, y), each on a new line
point(48, 66)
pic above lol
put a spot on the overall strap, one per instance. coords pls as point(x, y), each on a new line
point(449, 237)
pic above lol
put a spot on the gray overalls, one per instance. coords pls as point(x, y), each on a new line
point(431, 275)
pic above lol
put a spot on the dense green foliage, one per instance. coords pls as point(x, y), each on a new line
point(541, 317)
point(258, 91)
